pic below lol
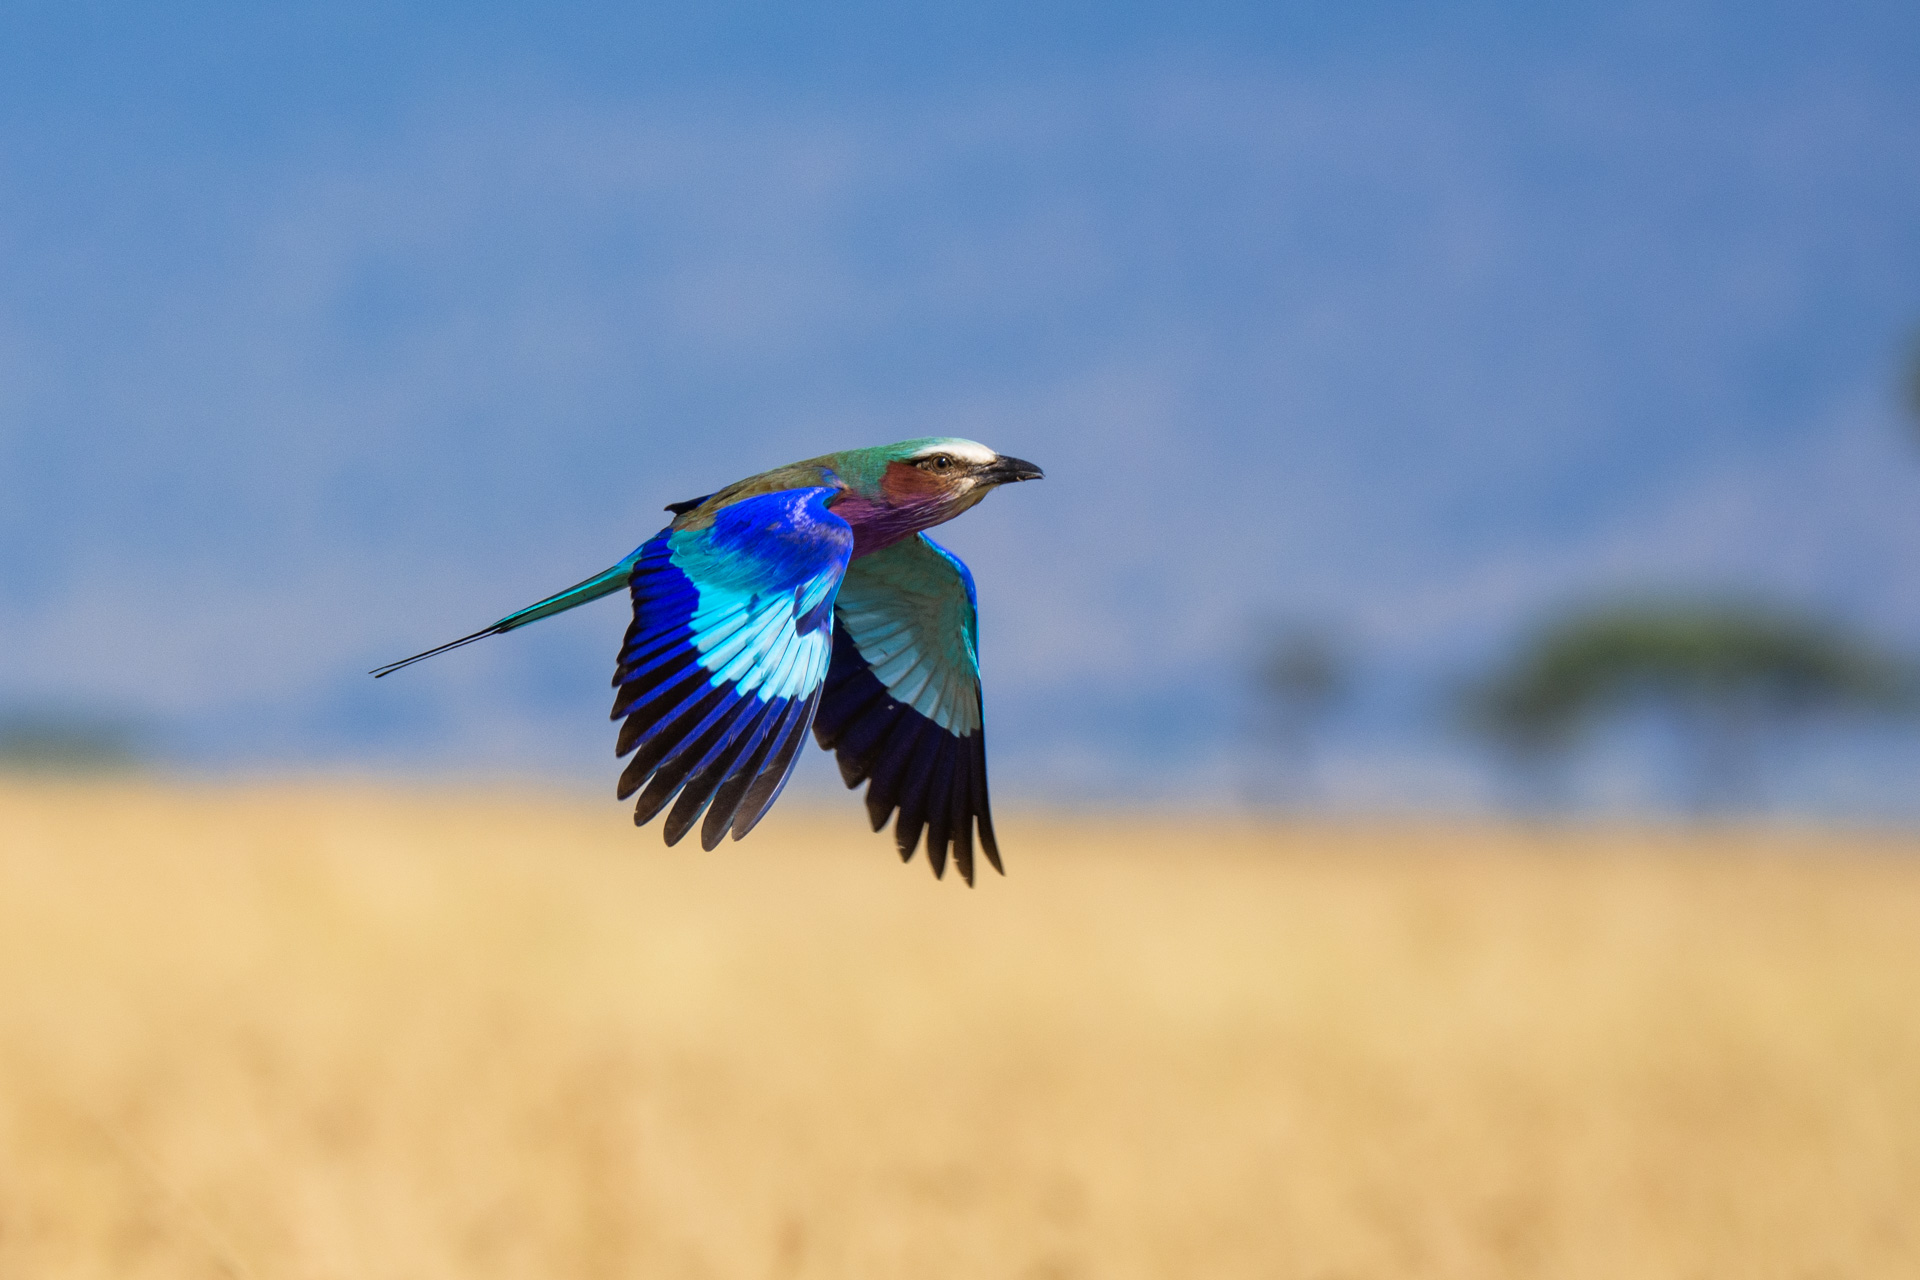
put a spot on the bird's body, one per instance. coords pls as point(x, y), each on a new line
point(806, 597)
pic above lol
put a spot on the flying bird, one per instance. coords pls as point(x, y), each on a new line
point(808, 596)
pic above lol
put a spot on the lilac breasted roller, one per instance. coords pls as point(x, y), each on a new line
point(806, 596)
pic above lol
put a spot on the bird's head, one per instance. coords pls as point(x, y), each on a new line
point(944, 472)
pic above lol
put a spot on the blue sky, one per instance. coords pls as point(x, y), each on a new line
point(329, 332)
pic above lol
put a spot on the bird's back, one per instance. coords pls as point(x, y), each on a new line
point(813, 473)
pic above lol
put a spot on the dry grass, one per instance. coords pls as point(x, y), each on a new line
point(280, 1033)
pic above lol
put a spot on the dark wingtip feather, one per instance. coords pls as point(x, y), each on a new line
point(895, 754)
point(674, 773)
point(779, 767)
point(727, 798)
point(906, 836)
point(938, 839)
point(686, 811)
point(983, 812)
point(929, 783)
point(932, 798)
point(632, 777)
point(962, 822)
point(665, 731)
point(646, 711)
point(907, 776)
point(704, 784)
point(654, 799)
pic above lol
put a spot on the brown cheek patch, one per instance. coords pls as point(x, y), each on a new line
point(904, 480)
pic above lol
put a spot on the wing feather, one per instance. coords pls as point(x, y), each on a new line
point(721, 671)
point(732, 791)
point(773, 775)
point(901, 706)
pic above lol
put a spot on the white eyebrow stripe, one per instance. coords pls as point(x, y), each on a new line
point(965, 450)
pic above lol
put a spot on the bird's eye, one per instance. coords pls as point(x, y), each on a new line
point(939, 462)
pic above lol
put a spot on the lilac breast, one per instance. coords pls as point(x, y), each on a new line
point(877, 524)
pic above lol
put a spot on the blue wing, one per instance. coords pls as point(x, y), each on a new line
point(722, 668)
point(902, 706)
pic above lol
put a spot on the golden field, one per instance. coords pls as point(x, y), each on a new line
point(279, 1033)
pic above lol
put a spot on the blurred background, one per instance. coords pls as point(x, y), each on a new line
point(1371, 355)
point(1454, 702)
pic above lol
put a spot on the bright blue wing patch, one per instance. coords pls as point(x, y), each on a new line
point(722, 668)
point(901, 707)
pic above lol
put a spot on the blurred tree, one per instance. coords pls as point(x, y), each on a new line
point(1299, 676)
point(52, 742)
point(1724, 674)
point(1912, 388)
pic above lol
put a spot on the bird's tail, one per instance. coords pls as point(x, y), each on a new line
point(592, 589)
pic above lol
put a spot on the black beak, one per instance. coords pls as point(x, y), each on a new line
point(1006, 470)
